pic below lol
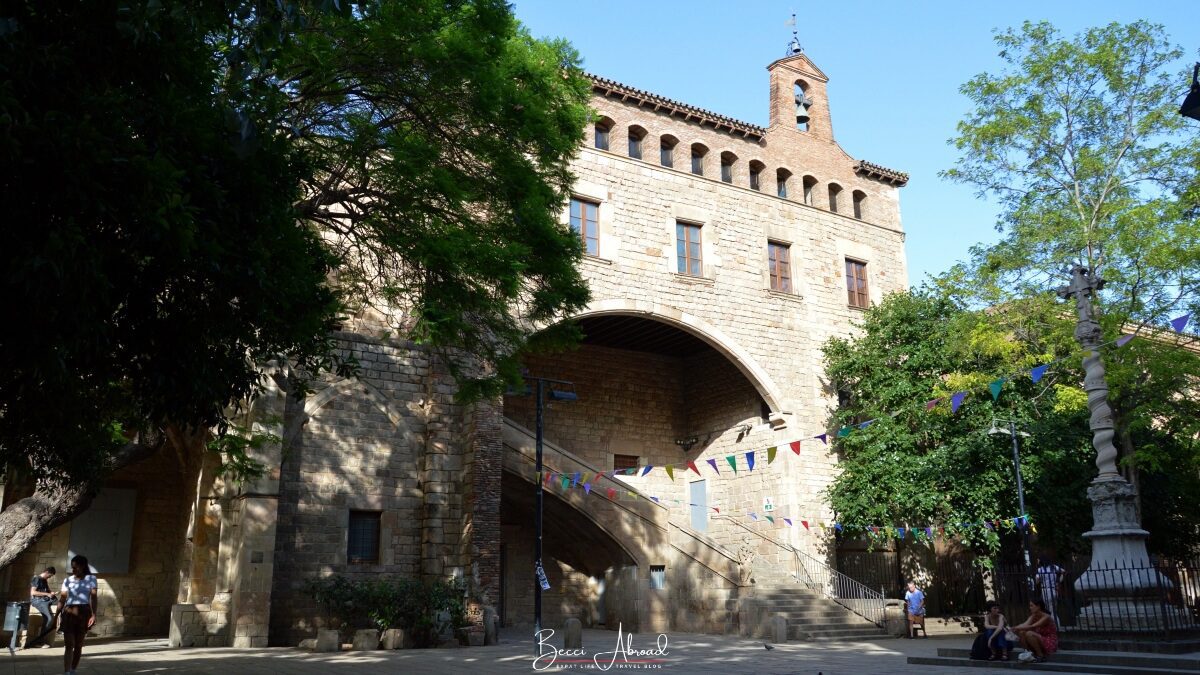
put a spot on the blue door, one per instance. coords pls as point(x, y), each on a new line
point(698, 497)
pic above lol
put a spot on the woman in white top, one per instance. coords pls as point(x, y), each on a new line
point(79, 610)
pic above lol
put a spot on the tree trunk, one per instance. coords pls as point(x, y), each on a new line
point(25, 521)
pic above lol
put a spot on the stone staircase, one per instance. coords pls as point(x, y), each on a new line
point(1099, 662)
point(811, 616)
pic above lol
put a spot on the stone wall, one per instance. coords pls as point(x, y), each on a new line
point(139, 602)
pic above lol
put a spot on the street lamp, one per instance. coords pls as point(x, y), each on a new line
point(1191, 104)
point(1016, 451)
point(540, 582)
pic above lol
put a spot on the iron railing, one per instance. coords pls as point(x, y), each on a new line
point(832, 584)
point(853, 595)
point(1155, 601)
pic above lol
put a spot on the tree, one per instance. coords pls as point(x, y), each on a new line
point(180, 183)
point(1081, 143)
point(921, 467)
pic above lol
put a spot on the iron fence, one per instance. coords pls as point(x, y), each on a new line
point(1156, 600)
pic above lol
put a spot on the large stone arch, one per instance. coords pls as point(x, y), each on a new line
point(345, 386)
point(715, 337)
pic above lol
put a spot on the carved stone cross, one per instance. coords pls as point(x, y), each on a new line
point(1083, 288)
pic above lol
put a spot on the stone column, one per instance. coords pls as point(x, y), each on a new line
point(1123, 589)
point(482, 507)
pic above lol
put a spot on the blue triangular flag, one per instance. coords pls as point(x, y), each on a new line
point(1124, 340)
point(750, 460)
point(956, 400)
point(753, 516)
point(647, 469)
point(1180, 322)
point(823, 438)
point(1038, 372)
point(788, 521)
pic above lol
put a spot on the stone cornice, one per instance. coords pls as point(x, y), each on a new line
point(882, 173)
point(645, 99)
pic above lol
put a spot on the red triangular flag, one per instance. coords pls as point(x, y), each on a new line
point(795, 446)
point(692, 466)
point(612, 493)
point(804, 523)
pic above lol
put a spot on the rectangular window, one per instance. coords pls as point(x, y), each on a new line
point(856, 284)
point(363, 548)
point(585, 221)
point(665, 151)
point(697, 163)
point(635, 146)
point(698, 503)
point(622, 462)
point(781, 188)
point(727, 173)
point(658, 577)
point(687, 249)
point(779, 264)
point(754, 175)
point(601, 137)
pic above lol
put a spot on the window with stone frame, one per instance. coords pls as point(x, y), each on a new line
point(622, 462)
point(602, 128)
point(779, 266)
point(835, 191)
point(363, 541)
point(860, 203)
point(698, 153)
point(857, 294)
point(687, 249)
point(756, 169)
point(666, 150)
point(636, 134)
point(585, 221)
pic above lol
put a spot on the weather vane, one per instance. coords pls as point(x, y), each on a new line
point(794, 47)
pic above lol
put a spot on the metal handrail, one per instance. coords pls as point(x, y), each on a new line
point(853, 595)
point(849, 593)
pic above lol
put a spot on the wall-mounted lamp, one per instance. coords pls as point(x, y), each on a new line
point(1191, 104)
point(686, 443)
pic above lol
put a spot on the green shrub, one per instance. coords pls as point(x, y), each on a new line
point(425, 609)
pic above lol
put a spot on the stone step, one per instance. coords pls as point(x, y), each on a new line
point(1051, 666)
point(870, 632)
point(814, 614)
point(1179, 663)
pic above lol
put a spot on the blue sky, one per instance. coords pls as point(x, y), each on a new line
point(894, 69)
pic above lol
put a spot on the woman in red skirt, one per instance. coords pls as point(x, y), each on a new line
point(1038, 634)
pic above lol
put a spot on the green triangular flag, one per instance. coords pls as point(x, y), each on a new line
point(771, 519)
point(565, 482)
point(732, 462)
point(670, 472)
point(995, 388)
point(771, 454)
point(843, 432)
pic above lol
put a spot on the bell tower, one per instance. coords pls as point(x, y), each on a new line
point(798, 99)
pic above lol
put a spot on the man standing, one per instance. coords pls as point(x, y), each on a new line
point(914, 603)
point(1050, 582)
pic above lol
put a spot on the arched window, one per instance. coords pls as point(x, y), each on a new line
point(834, 191)
point(728, 162)
point(860, 203)
point(803, 103)
point(782, 176)
point(698, 153)
point(810, 185)
point(756, 169)
point(666, 150)
point(603, 129)
point(636, 134)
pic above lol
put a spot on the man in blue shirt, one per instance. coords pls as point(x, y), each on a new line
point(914, 604)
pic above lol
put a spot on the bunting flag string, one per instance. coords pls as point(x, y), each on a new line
point(581, 480)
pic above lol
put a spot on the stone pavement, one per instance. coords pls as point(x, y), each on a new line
point(686, 653)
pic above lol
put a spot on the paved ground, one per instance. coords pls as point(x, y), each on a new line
point(685, 653)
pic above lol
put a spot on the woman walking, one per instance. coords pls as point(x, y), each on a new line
point(79, 611)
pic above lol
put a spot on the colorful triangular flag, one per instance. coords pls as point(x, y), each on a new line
point(1038, 372)
point(1180, 322)
point(713, 464)
point(732, 462)
point(788, 521)
point(995, 386)
point(795, 445)
point(771, 454)
point(956, 400)
point(647, 469)
point(932, 403)
point(750, 459)
point(670, 471)
point(866, 424)
point(587, 488)
point(770, 519)
point(804, 523)
point(1124, 340)
point(753, 516)
point(612, 493)
point(824, 438)
point(692, 466)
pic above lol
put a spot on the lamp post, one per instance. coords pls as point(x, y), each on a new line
point(1016, 451)
point(540, 581)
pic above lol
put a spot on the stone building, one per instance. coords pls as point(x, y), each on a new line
point(721, 255)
